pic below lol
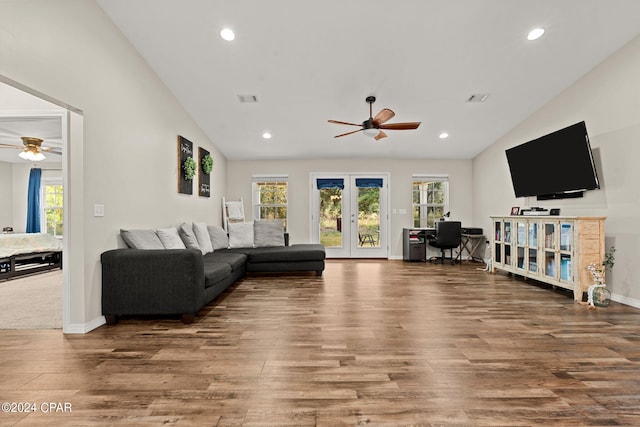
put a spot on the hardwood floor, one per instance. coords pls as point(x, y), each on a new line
point(368, 343)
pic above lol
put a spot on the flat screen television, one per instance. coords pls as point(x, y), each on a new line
point(555, 166)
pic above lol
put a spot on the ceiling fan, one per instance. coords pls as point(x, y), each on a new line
point(32, 148)
point(373, 126)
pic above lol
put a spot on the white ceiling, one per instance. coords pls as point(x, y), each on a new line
point(307, 62)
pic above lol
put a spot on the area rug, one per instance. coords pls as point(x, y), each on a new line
point(32, 302)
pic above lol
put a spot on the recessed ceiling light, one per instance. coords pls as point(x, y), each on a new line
point(227, 34)
point(444, 135)
point(535, 34)
point(266, 135)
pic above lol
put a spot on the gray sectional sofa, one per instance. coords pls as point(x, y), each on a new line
point(167, 281)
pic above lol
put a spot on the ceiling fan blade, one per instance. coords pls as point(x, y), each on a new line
point(343, 123)
point(11, 146)
point(380, 136)
point(401, 126)
point(384, 115)
point(54, 150)
point(348, 133)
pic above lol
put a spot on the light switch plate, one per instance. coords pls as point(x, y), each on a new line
point(98, 210)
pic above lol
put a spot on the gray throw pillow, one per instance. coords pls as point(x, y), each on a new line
point(141, 239)
point(240, 234)
point(268, 233)
point(202, 235)
point(219, 238)
point(170, 238)
point(188, 237)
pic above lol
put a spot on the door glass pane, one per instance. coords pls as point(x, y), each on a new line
point(520, 257)
point(550, 264)
point(565, 237)
point(331, 217)
point(369, 217)
point(533, 260)
point(533, 235)
point(550, 236)
point(565, 267)
point(522, 237)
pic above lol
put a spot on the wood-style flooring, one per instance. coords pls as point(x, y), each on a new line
point(368, 343)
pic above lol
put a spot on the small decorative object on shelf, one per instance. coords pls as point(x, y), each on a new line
point(207, 164)
point(598, 294)
point(189, 166)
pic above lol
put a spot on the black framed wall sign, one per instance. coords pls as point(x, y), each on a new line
point(185, 151)
point(204, 177)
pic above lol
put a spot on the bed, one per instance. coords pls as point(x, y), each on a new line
point(28, 253)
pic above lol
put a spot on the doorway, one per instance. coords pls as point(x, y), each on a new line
point(32, 107)
point(350, 214)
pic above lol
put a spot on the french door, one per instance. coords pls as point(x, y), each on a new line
point(350, 214)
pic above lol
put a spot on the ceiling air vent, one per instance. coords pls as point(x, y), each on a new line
point(251, 99)
point(478, 97)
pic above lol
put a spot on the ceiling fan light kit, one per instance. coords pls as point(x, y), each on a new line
point(373, 126)
point(32, 149)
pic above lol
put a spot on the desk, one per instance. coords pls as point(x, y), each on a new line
point(469, 243)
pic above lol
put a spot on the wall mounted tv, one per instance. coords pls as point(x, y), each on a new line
point(555, 166)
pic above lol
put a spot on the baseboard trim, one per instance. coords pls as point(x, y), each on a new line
point(83, 328)
point(625, 300)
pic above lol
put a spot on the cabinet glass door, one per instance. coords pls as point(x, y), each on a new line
point(549, 250)
point(566, 234)
point(497, 233)
point(507, 242)
point(521, 242)
point(522, 233)
point(533, 235)
point(550, 236)
point(549, 264)
point(566, 274)
point(533, 246)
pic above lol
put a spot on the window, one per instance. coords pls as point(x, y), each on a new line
point(430, 199)
point(270, 198)
point(52, 208)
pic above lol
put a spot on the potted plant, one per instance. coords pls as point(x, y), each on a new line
point(189, 166)
point(598, 294)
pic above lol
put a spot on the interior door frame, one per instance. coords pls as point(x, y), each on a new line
point(350, 239)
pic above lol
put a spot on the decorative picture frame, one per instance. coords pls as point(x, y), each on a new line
point(515, 210)
point(204, 177)
point(185, 152)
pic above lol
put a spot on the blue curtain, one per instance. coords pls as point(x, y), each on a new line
point(33, 201)
point(330, 183)
point(369, 182)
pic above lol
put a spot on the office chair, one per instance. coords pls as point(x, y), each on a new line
point(448, 236)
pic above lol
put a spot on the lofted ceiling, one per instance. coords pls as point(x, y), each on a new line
point(306, 62)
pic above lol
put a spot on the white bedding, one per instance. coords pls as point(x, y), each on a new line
point(26, 243)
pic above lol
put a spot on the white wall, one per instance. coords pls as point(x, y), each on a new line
point(239, 175)
point(125, 155)
point(608, 99)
